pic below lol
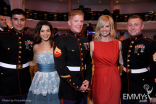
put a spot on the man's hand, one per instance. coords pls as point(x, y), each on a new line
point(84, 87)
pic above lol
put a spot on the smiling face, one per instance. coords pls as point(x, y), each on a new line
point(45, 33)
point(18, 22)
point(105, 29)
point(135, 26)
point(76, 23)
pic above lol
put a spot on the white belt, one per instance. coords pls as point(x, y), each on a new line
point(142, 70)
point(73, 68)
point(11, 66)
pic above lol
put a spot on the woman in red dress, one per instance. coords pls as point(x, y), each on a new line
point(105, 51)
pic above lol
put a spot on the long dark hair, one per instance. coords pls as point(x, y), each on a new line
point(37, 38)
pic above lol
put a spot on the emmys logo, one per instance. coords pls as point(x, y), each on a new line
point(141, 97)
point(146, 87)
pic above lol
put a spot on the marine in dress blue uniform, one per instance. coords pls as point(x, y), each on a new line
point(71, 55)
point(16, 50)
point(138, 81)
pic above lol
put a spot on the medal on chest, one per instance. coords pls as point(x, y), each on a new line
point(28, 43)
point(87, 45)
point(141, 46)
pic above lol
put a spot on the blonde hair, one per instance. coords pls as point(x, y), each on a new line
point(74, 13)
point(100, 23)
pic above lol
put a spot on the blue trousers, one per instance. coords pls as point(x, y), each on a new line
point(83, 101)
point(13, 100)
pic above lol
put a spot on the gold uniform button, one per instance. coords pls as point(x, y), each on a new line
point(128, 55)
point(80, 44)
point(19, 37)
point(82, 68)
point(132, 42)
point(19, 56)
point(138, 54)
point(1, 73)
point(16, 33)
point(81, 49)
point(128, 65)
point(70, 80)
point(29, 49)
point(22, 33)
point(20, 47)
point(77, 87)
point(78, 39)
point(81, 58)
point(8, 48)
point(128, 60)
point(135, 38)
point(82, 63)
point(75, 35)
point(143, 79)
point(19, 61)
point(131, 46)
point(73, 83)
point(129, 50)
point(20, 42)
point(19, 51)
point(72, 50)
point(81, 53)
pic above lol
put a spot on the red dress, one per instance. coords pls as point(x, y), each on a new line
point(106, 80)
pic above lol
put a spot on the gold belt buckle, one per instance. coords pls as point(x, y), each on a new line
point(128, 70)
point(19, 66)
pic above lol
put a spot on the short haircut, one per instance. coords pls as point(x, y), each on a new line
point(17, 11)
point(122, 33)
point(135, 16)
point(25, 29)
point(100, 23)
point(55, 29)
point(74, 13)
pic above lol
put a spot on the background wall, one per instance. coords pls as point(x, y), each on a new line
point(63, 7)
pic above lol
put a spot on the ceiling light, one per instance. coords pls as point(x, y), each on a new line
point(116, 1)
point(60, 0)
point(77, 1)
point(99, 1)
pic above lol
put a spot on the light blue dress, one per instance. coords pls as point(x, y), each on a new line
point(45, 85)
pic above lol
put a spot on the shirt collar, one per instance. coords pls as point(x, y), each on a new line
point(77, 35)
point(135, 38)
point(1, 29)
point(17, 33)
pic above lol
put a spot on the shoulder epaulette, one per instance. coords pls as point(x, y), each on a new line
point(147, 38)
point(64, 35)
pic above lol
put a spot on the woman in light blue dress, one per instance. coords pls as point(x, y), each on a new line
point(45, 85)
